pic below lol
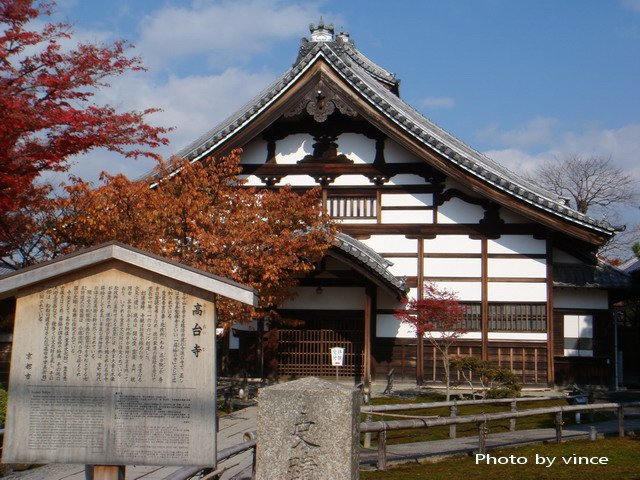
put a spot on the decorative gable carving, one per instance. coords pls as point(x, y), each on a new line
point(320, 102)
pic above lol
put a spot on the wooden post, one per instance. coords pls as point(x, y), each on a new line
point(369, 308)
point(482, 437)
point(558, 423)
point(512, 422)
point(453, 427)
point(484, 312)
point(367, 436)
point(550, 352)
point(621, 421)
point(382, 450)
point(108, 472)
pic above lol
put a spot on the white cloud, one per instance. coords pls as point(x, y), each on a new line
point(437, 102)
point(540, 131)
point(221, 32)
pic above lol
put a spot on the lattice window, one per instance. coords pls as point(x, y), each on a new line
point(517, 317)
point(352, 206)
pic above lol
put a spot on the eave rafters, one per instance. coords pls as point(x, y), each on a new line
point(322, 64)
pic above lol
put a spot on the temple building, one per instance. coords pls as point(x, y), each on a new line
point(414, 204)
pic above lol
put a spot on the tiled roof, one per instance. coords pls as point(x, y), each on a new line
point(375, 84)
point(371, 260)
point(590, 276)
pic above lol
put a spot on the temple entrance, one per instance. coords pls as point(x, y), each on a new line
point(305, 350)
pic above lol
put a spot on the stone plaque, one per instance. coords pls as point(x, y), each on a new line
point(308, 430)
point(112, 366)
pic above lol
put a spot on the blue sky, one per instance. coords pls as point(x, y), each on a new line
point(522, 81)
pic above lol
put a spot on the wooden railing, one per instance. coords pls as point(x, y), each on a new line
point(381, 427)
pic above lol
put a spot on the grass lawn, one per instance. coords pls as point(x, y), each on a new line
point(439, 433)
point(623, 456)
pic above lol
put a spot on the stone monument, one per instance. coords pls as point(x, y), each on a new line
point(113, 360)
point(308, 430)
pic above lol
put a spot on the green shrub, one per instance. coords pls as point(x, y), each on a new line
point(494, 381)
point(3, 406)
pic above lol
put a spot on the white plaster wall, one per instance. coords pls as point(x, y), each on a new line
point(452, 244)
point(465, 291)
point(560, 256)
point(355, 220)
point(522, 336)
point(386, 301)
point(403, 267)
point(298, 181)
point(406, 216)
point(453, 267)
point(394, 153)
point(517, 292)
point(351, 180)
point(387, 326)
point(406, 199)
point(509, 216)
point(293, 148)
point(331, 298)
point(252, 180)
point(406, 179)
point(516, 244)
point(517, 267)
point(254, 152)
point(391, 244)
point(459, 211)
point(587, 298)
point(357, 147)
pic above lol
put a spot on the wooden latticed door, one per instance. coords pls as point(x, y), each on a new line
point(305, 351)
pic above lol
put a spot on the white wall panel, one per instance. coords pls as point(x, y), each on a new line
point(331, 298)
point(406, 216)
point(517, 267)
point(298, 181)
point(294, 148)
point(391, 244)
point(452, 267)
point(406, 179)
point(403, 267)
point(510, 216)
point(407, 199)
point(452, 244)
point(252, 181)
point(254, 152)
point(355, 220)
point(465, 291)
point(387, 326)
point(351, 180)
point(386, 301)
point(459, 211)
point(587, 298)
point(394, 153)
point(518, 336)
point(517, 292)
point(357, 147)
point(516, 244)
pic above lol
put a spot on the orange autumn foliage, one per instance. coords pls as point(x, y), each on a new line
point(204, 217)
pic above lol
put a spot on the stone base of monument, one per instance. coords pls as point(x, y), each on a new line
point(308, 429)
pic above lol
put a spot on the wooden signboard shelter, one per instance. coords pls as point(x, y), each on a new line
point(113, 360)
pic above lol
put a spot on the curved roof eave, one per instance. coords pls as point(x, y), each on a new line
point(406, 118)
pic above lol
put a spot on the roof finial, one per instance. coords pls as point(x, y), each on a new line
point(321, 32)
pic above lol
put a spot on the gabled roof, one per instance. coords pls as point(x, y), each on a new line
point(379, 88)
point(372, 262)
point(82, 259)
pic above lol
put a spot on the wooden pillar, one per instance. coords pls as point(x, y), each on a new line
point(106, 472)
point(420, 339)
point(550, 353)
point(485, 299)
point(369, 314)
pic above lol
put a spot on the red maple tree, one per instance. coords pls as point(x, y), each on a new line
point(439, 317)
point(47, 113)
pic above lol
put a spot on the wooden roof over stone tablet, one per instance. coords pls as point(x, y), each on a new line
point(373, 93)
point(82, 259)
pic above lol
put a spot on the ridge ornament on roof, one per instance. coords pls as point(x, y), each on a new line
point(378, 90)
